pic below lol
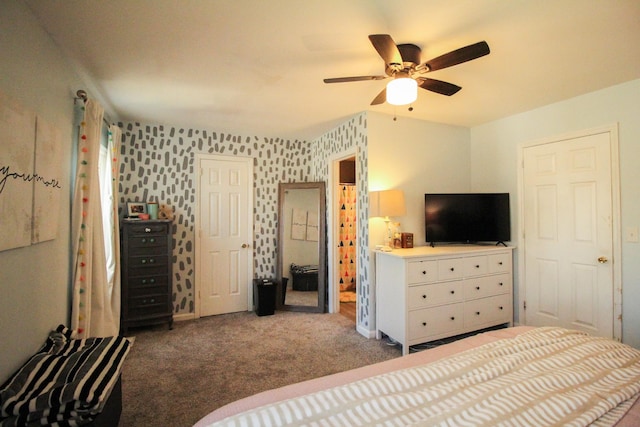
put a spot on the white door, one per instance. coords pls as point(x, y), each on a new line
point(568, 234)
point(224, 247)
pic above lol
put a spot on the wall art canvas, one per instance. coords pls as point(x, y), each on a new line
point(47, 189)
point(298, 224)
point(312, 226)
point(30, 191)
point(17, 138)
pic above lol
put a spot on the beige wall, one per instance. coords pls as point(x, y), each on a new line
point(417, 157)
point(34, 291)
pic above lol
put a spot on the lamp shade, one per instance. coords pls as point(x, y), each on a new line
point(402, 91)
point(386, 203)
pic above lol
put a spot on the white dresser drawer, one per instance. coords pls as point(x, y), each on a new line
point(481, 287)
point(449, 269)
point(429, 295)
point(500, 263)
point(476, 266)
point(422, 271)
point(435, 321)
point(488, 310)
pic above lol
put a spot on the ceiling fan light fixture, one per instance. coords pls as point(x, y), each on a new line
point(402, 91)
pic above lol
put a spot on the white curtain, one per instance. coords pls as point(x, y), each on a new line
point(95, 309)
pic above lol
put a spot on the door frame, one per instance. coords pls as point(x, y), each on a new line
point(612, 130)
point(333, 277)
point(199, 158)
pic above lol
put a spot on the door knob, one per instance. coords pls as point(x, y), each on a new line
point(244, 246)
point(603, 260)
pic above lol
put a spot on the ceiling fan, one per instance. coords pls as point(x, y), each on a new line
point(402, 63)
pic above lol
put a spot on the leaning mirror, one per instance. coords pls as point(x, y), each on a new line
point(301, 246)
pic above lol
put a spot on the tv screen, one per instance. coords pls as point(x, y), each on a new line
point(467, 217)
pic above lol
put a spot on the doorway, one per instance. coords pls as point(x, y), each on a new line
point(570, 215)
point(224, 244)
point(346, 253)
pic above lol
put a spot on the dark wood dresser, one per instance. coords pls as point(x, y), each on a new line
point(146, 273)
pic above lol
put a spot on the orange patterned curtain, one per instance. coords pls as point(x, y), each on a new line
point(347, 245)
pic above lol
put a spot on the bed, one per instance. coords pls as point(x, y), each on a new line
point(519, 376)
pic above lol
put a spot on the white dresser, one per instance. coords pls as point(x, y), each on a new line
point(425, 293)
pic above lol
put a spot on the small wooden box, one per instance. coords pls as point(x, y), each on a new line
point(406, 240)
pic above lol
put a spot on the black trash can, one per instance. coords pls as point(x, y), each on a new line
point(264, 296)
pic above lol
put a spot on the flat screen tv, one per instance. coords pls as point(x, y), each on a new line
point(467, 218)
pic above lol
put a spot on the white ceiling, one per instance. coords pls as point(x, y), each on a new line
point(256, 67)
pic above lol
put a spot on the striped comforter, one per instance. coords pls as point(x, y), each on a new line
point(547, 376)
point(66, 383)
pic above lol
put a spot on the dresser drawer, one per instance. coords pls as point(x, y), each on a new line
point(147, 290)
point(449, 269)
point(422, 271)
point(476, 266)
point(147, 228)
point(482, 287)
point(147, 250)
point(148, 304)
point(148, 270)
point(429, 295)
point(148, 261)
point(149, 280)
point(500, 263)
point(491, 310)
point(148, 241)
point(435, 321)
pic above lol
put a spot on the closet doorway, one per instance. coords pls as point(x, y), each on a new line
point(346, 275)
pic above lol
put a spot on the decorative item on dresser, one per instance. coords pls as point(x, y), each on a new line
point(428, 293)
point(146, 273)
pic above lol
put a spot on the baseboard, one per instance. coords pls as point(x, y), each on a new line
point(365, 332)
point(184, 316)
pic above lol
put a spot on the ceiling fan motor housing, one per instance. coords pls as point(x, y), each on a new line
point(410, 54)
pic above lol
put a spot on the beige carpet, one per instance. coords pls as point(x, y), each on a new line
point(174, 378)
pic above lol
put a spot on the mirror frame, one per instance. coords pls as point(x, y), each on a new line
point(322, 249)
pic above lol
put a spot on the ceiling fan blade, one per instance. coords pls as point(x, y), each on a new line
point(457, 56)
point(438, 86)
point(387, 48)
point(353, 79)
point(381, 98)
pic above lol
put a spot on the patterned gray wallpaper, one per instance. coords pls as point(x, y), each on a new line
point(351, 134)
point(157, 163)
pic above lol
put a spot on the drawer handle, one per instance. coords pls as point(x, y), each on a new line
point(424, 323)
point(453, 318)
point(500, 283)
point(144, 240)
point(477, 313)
point(152, 240)
point(152, 300)
point(477, 288)
point(500, 263)
point(453, 292)
point(424, 272)
point(501, 308)
point(477, 266)
point(452, 269)
point(152, 281)
point(144, 261)
point(151, 260)
point(144, 281)
point(424, 296)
